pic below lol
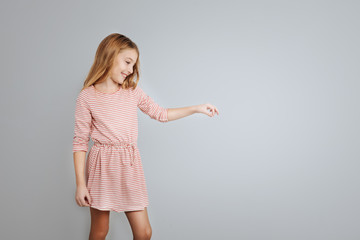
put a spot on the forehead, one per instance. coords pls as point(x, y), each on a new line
point(129, 53)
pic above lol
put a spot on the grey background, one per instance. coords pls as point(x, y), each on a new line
point(281, 161)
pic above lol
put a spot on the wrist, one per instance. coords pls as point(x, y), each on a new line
point(81, 185)
point(195, 108)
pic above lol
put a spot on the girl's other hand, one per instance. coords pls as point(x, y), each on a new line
point(82, 196)
point(207, 109)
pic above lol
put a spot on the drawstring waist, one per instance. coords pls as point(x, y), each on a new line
point(129, 145)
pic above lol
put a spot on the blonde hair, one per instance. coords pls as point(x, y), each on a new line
point(105, 56)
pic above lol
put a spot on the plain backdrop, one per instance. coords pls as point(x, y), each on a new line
point(280, 162)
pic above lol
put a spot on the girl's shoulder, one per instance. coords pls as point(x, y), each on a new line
point(86, 91)
point(137, 90)
point(85, 94)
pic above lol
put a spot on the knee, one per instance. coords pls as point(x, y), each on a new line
point(145, 234)
point(98, 235)
point(148, 233)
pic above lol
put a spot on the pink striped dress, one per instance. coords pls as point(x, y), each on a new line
point(114, 172)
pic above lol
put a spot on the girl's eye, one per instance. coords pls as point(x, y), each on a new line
point(128, 62)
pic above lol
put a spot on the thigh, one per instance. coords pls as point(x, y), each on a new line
point(99, 219)
point(139, 221)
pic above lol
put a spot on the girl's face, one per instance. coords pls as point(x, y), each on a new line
point(123, 65)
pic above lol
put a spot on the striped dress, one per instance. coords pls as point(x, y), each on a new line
point(114, 172)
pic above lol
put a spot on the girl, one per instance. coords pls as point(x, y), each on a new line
point(106, 111)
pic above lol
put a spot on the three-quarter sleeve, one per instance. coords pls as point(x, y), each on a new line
point(82, 124)
point(151, 108)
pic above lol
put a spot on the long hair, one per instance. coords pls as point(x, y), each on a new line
point(105, 56)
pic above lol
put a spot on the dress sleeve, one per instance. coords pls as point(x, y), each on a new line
point(151, 108)
point(82, 124)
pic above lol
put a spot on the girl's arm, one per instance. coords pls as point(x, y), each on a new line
point(79, 164)
point(81, 137)
point(149, 106)
point(80, 147)
point(177, 113)
point(82, 195)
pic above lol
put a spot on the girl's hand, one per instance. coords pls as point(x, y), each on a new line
point(203, 108)
point(82, 196)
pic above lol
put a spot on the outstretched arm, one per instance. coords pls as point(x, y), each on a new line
point(177, 113)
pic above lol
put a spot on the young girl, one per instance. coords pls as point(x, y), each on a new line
point(106, 111)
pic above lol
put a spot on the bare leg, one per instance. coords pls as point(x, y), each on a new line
point(140, 224)
point(99, 224)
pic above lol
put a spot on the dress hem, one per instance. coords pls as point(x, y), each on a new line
point(118, 210)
